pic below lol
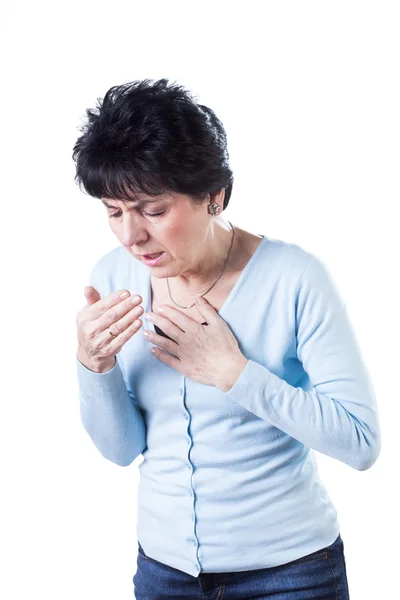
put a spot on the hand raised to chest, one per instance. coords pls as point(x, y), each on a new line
point(208, 354)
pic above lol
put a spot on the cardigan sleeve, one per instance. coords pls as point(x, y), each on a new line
point(109, 413)
point(338, 417)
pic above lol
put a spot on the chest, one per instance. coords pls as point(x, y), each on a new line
point(246, 246)
point(217, 297)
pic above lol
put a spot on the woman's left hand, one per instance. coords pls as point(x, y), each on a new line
point(207, 354)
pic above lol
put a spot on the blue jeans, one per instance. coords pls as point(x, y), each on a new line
point(320, 575)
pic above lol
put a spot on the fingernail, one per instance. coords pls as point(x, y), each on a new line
point(124, 295)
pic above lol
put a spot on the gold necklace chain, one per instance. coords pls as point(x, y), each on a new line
point(223, 269)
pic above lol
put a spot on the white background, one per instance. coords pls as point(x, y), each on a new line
point(309, 96)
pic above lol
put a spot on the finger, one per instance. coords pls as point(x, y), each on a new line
point(176, 316)
point(164, 343)
point(114, 344)
point(166, 325)
point(115, 313)
point(167, 359)
point(96, 310)
point(120, 325)
point(208, 311)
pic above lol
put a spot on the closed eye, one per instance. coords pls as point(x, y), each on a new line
point(118, 214)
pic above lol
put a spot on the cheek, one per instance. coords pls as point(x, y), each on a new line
point(184, 229)
point(113, 226)
point(172, 237)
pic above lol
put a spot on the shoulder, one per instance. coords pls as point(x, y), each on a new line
point(295, 274)
point(302, 272)
point(286, 258)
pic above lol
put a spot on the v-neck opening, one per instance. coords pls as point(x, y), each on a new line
point(244, 272)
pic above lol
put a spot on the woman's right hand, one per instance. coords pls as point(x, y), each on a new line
point(96, 347)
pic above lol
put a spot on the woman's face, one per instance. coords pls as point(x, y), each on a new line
point(172, 223)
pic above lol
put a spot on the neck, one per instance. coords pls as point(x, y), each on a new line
point(209, 262)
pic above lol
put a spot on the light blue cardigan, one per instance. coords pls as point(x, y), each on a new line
point(229, 480)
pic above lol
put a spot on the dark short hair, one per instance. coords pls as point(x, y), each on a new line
point(152, 137)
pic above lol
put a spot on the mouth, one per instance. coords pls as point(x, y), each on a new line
point(152, 259)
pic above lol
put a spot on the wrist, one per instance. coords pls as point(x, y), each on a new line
point(231, 372)
point(97, 366)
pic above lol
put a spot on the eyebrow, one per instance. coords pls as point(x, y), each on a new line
point(139, 201)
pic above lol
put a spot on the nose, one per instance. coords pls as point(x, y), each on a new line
point(133, 230)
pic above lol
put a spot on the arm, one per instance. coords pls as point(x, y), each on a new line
point(109, 414)
point(338, 417)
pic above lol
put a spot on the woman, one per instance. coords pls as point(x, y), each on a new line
point(254, 364)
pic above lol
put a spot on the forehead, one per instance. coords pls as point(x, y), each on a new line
point(140, 201)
